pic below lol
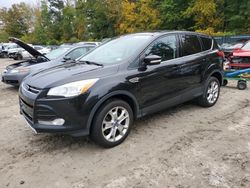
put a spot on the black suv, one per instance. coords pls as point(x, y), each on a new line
point(124, 79)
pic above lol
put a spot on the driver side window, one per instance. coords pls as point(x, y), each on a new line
point(165, 47)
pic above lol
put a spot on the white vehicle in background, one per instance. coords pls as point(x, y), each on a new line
point(6, 48)
point(23, 54)
point(41, 49)
point(12, 52)
point(89, 43)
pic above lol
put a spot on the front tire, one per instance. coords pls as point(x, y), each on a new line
point(211, 93)
point(112, 123)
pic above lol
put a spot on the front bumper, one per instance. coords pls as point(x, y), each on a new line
point(36, 108)
point(13, 79)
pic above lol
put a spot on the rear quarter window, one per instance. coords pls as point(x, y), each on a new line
point(207, 43)
point(190, 44)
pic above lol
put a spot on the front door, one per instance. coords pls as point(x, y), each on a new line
point(160, 84)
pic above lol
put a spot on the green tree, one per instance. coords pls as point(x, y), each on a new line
point(206, 15)
point(17, 19)
point(68, 23)
point(100, 17)
point(138, 16)
point(236, 16)
point(173, 15)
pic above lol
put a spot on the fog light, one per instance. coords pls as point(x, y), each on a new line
point(57, 122)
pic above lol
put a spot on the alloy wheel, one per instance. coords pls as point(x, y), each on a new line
point(213, 92)
point(115, 124)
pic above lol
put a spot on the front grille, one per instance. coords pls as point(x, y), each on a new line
point(31, 89)
point(26, 109)
point(44, 113)
point(11, 81)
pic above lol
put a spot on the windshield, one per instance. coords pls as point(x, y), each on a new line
point(56, 53)
point(246, 46)
point(117, 50)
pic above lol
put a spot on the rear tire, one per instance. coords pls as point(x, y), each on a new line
point(211, 93)
point(112, 123)
point(242, 85)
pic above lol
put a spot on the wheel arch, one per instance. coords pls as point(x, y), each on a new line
point(123, 95)
point(217, 75)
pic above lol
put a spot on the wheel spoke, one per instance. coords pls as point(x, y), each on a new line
point(108, 125)
point(124, 115)
point(120, 129)
point(114, 113)
point(114, 133)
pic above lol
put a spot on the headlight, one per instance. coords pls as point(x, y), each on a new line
point(73, 88)
point(20, 70)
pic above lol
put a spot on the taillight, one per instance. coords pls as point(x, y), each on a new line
point(221, 54)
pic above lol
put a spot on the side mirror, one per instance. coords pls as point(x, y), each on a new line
point(152, 60)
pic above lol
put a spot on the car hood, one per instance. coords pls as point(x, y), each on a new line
point(27, 47)
point(66, 73)
point(241, 53)
point(21, 64)
point(26, 63)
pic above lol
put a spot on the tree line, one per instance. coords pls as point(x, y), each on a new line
point(58, 21)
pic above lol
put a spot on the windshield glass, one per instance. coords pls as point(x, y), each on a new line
point(246, 46)
point(56, 53)
point(117, 50)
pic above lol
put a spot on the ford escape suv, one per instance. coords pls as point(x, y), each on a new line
point(126, 78)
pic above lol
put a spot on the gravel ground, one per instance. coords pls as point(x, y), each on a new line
point(185, 146)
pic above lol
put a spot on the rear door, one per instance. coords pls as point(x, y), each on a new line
point(192, 60)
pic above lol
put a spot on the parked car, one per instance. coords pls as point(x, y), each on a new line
point(24, 54)
point(15, 73)
point(240, 55)
point(124, 79)
point(13, 52)
point(7, 48)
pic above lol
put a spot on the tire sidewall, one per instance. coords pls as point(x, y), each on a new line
point(242, 85)
point(96, 128)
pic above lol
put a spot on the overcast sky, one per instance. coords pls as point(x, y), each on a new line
point(8, 3)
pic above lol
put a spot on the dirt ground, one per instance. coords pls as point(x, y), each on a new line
point(185, 146)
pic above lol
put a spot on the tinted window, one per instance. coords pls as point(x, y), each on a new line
point(166, 47)
point(207, 43)
point(190, 45)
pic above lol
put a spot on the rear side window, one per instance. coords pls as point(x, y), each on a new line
point(190, 44)
point(207, 43)
point(166, 47)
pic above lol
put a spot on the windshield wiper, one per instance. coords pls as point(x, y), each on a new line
point(92, 63)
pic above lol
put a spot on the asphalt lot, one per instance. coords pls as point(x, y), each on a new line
point(185, 146)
